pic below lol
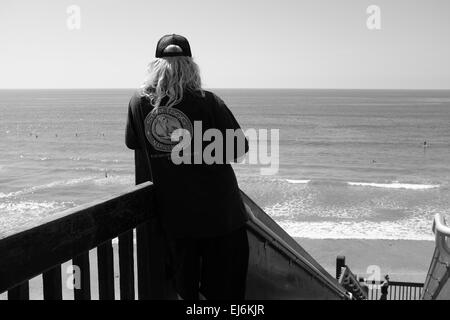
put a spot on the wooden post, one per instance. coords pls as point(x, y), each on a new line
point(143, 260)
point(160, 286)
point(340, 263)
point(20, 292)
point(126, 266)
point(83, 291)
point(52, 282)
point(105, 266)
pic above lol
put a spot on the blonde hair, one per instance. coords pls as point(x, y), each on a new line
point(171, 77)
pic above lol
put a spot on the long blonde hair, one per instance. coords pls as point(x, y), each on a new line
point(171, 77)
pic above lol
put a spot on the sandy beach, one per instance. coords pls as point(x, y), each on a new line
point(403, 260)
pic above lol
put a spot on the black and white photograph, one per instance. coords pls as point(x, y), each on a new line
point(224, 154)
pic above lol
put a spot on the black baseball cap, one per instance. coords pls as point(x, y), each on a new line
point(173, 45)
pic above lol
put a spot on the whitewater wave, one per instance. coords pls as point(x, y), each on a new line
point(15, 215)
point(395, 185)
point(73, 158)
point(348, 214)
point(297, 181)
point(46, 186)
point(406, 230)
point(390, 185)
point(115, 180)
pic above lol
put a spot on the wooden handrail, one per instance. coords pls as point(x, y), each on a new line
point(70, 233)
point(297, 257)
point(349, 281)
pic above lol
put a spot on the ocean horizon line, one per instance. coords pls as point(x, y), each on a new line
point(232, 88)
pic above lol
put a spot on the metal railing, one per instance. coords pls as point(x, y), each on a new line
point(396, 291)
point(437, 285)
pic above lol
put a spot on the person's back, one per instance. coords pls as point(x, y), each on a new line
point(197, 195)
point(197, 199)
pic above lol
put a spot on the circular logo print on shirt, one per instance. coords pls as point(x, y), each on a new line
point(160, 123)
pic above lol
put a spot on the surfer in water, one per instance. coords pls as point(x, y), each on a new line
point(199, 206)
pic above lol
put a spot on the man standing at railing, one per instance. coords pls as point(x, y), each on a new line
point(385, 288)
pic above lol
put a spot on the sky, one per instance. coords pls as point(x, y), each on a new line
point(237, 43)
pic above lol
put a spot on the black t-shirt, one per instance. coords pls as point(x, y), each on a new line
point(192, 200)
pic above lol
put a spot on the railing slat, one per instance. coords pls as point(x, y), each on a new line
point(143, 262)
point(105, 271)
point(52, 282)
point(126, 266)
point(83, 291)
point(20, 292)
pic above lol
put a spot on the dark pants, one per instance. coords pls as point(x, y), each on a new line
point(216, 267)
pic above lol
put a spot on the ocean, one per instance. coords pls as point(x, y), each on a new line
point(352, 162)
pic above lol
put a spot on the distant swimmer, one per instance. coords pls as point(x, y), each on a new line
point(425, 147)
point(106, 173)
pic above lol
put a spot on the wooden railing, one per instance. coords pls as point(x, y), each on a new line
point(348, 280)
point(70, 235)
point(279, 268)
point(437, 285)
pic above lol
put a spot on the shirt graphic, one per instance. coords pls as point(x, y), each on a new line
point(161, 122)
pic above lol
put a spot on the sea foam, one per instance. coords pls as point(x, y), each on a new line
point(52, 184)
point(297, 181)
point(395, 185)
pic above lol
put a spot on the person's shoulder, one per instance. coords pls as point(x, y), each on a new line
point(214, 102)
point(211, 96)
point(137, 98)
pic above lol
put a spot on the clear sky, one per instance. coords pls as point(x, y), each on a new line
point(237, 43)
